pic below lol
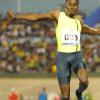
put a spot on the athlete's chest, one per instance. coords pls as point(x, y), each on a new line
point(67, 22)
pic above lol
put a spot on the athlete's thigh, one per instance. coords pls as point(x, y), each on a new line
point(63, 69)
point(78, 62)
point(79, 67)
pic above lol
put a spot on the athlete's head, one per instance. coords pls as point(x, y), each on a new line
point(72, 7)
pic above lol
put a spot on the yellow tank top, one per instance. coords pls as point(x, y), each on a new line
point(68, 33)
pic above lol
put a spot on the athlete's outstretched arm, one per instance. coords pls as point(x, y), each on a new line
point(91, 31)
point(88, 30)
point(33, 16)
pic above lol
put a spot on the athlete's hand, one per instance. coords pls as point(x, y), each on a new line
point(10, 15)
point(6, 22)
point(98, 31)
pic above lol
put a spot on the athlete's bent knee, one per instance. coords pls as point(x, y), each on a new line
point(84, 80)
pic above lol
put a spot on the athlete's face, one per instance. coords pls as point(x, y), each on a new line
point(72, 7)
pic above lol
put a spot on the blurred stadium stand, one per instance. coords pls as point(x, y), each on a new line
point(31, 46)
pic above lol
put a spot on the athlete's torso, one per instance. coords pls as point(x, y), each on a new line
point(68, 33)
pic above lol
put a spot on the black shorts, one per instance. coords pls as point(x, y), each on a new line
point(66, 62)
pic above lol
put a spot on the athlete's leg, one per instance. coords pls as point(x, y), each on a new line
point(80, 69)
point(64, 75)
point(82, 74)
point(83, 78)
point(65, 88)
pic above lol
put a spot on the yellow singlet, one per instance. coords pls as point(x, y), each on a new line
point(68, 34)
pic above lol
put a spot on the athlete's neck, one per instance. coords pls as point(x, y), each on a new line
point(71, 16)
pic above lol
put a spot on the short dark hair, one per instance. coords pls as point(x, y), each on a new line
point(67, 1)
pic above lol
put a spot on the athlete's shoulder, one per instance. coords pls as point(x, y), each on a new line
point(79, 18)
point(54, 13)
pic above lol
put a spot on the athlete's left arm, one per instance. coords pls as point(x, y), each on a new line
point(91, 31)
point(88, 30)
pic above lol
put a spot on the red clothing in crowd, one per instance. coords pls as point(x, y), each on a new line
point(13, 96)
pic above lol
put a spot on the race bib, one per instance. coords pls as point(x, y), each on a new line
point(70, 37)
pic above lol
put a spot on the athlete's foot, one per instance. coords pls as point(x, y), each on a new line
point(79, 95)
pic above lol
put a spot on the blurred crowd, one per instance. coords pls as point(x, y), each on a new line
point(41, 95)
point(28, 46)
point(31, 46)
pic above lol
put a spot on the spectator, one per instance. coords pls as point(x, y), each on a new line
point(43, 94)
point(54, 96)
point(13, 95)
point(21, 96)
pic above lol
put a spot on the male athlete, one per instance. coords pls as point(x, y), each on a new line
point(68, 30)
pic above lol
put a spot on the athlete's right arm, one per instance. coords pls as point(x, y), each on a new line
point(33, 16)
